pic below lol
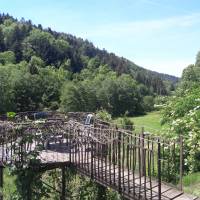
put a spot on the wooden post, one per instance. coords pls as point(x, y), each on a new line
point(159, 169)
point(142, 154)
point(63, 194)
point(69, 143)
point(92, 155)
point(119, 160)
point(181, 162)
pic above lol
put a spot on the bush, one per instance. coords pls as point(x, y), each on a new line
point(126, 123)
point(7, 57)
point(104, 115)
point(148, 103)
point(160, 102)
point(182, 113)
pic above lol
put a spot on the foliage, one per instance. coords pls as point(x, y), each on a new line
point(37, 64)
point(160, 102)
point(104, 115)
point(126, 123)
point(102, 89)
point(81, 187)
point(182, 114)
point(29, 185)
point(21, 90)
point(148, 103)
point(34, 65)
point(28, 180)
point(191, 75)
point(7, 57)
point(11, 114)
point(44, 45)
point(112, 195)
point(6, 90)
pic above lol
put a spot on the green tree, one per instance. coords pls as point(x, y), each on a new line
point(7, 57)
point(72, 98)
point(27, 92)
point(51, 83)
point(45, 46)
point(182, 114)
point(34, 64)
point(6, 91)
point(148, 103)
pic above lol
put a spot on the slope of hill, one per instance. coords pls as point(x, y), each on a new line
point(26, 39)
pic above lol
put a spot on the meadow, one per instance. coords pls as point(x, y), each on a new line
point(151, 122)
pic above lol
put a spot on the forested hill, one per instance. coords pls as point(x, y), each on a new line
point(118, 64)
point(43, 69)
point(54, 48)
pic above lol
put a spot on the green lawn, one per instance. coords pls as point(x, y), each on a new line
point(150, 122)
point(191, 183)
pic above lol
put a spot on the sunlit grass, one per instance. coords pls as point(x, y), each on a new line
point(191, 184)
point(151, 122)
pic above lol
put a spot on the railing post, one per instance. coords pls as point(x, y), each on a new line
point(181, 162)
point(69, 143)
point(119, 160)
point(142, 154)
point(159, 169)
point(92, 155)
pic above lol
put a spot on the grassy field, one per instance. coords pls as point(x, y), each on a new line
point(150, 122)
point(191, 183)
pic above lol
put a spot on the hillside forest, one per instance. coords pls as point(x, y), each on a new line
point(41, 69)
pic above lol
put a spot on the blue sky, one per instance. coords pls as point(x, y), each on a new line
point(161, 35)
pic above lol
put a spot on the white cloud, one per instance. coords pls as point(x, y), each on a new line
point(145, 27)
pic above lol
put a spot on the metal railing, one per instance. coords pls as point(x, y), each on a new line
point(137, 165)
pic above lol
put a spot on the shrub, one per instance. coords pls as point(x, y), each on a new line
point(148, 103)
point(182, 113)
point(126, 123)
point(104, 115)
